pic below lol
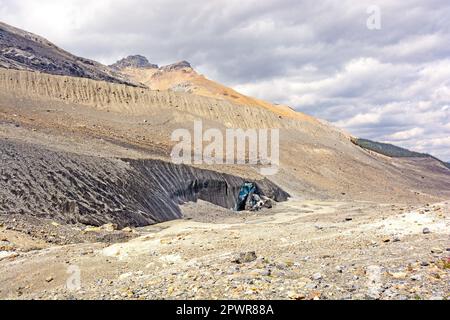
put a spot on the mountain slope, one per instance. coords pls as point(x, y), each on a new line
point(181, 77)
point(110, 120)
point(22, 50)
point(391, 150)
point(387, 149)
point(104, 120)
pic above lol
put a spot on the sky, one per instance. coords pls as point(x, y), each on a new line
point(378, 69)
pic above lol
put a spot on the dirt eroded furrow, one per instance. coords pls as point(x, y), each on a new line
point(138, 101)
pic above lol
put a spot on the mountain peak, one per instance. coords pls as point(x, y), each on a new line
point(134, 61)
point(177, 66)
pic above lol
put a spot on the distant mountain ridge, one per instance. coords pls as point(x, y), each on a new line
point(394, 151)
point(22, 50)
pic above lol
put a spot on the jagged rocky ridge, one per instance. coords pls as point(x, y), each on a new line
point(73, 188)
point(141, 62)
point(176, 66)
point(22, 50)
point(136, 61)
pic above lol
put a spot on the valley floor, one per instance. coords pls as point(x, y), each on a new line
point(298, 250)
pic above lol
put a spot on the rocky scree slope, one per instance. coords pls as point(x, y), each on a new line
point(73, 188)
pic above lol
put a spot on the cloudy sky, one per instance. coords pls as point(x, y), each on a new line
point(389, 82)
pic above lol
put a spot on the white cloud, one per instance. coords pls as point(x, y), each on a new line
point(360, 120)
point(406, 134)
point(415, 45)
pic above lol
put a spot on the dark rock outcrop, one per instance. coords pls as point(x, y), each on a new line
point(72, 188)
point(22, 50)
point(136, 61)
point(176, 66)
point(141, 62)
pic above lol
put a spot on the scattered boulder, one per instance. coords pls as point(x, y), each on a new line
point(398, 275)
point(416, 277)
point(317, 276)
point(8, 255)
point(339, 269)
point(311, 286)
point(109, 227)
point(296, 296)
point(426, 231)
point(6, 245)
point(245, 257)
point(92, 229)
